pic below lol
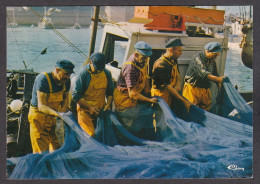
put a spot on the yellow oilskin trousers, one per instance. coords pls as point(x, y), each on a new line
point(121, 98)
point(95, 95)
point(126, 106)
point(42, 126)
point(201, 97)
point(164, 93)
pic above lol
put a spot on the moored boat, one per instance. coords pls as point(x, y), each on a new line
point(247, 46)
point(45, 22)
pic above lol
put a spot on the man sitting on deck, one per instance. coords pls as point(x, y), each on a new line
point(50, 95)
point(166, 81)
point(202, 69)
point(131, 83)
point(92, 87)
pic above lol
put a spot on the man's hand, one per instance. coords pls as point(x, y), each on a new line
point(56, 114)
point(187, 105)
point(219, 86)
point(109, 103)
point(63, 110)
point(177, 88)
point(220, 79)
point(93, 110)
point(107, 107)
point(153, 100)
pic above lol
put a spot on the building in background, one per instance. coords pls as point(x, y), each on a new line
point(69, 15)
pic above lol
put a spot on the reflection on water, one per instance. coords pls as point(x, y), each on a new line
point(31, 41)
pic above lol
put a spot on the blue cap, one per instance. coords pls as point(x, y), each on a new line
point(213, 47)
point(174, 42)
point(66, 65)
point(99, 60)
point(143, 48)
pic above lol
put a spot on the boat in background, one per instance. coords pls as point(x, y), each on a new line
point(46, 23)
point(247, 41)
point(234, 22)
point(242, 26)
point(247, 46)
point(19, 89)
point(13, 24)
point(77, 25)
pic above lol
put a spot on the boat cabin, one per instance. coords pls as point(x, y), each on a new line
point(118, 39)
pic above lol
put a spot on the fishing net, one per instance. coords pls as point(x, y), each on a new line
point(197, 144)
point(230, 104)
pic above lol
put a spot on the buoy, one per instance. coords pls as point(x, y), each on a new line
point(16, 105)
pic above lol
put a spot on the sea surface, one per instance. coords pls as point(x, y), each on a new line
point(27, 43)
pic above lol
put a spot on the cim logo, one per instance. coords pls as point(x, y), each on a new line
point(235, 167)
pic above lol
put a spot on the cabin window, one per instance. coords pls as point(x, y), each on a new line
point(198, 31)
point(115, 48)
point(120, 49)
point(156, 55)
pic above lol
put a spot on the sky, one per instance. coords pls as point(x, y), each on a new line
point(232, 9)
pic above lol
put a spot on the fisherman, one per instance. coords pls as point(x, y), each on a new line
point(166, 80)
point(202, 69)
point(93, 92)
point(133, 86)
point(50, 95)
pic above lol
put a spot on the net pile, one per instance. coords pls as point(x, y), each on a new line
point(197, 144)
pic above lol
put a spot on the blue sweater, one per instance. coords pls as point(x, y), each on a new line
point(82, 82)
point(41, 84)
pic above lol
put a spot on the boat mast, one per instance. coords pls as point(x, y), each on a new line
point(95, 20)
point(13, 18)
point(77, 14)
point(45, 12)
point(250, 14)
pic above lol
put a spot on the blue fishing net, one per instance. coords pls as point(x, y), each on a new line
point(197, 144)
point(230, 104)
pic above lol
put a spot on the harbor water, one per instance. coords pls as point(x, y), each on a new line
point(27, 43)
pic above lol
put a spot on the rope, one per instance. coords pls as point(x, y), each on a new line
point(37, 56)
point(245, 12)
point(59, 34)
point(241, 13)
point(113, 22)
point(16, 40)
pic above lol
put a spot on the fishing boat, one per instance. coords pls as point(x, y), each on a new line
point(46, 22)
point(180, 146)
point(13, 23)
point(43, 24)
point(77, 25)
point(156, 25)
point(19, 93)
point(242, 26)
point(247, 45)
